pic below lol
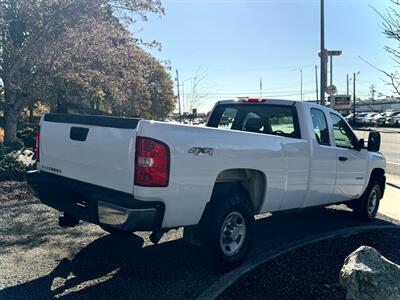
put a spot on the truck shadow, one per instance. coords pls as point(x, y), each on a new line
point(120, 267)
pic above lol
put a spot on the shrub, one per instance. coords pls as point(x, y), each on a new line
point(28, 136)
point(10, 168)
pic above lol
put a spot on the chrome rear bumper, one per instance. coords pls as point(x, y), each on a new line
point(125, 218)
point(96, 204)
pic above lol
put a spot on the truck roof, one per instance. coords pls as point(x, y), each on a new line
point(241, 100)
point(259, 100)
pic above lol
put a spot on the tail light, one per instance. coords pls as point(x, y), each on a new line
point(37, 148)
point(151, 163)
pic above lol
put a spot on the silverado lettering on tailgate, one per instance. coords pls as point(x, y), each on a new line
point(51, 169)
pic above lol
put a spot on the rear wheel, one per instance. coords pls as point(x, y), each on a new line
point(229, 228)
point(366, 207)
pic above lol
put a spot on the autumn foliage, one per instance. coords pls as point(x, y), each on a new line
point(78, 56)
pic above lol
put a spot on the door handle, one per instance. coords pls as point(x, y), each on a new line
point(342, 158)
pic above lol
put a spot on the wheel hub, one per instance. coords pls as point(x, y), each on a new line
point(372, 200)
point(233, 233)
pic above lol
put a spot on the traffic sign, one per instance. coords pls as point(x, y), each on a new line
point(331, 53)
point(331, 90)
point(334, 52)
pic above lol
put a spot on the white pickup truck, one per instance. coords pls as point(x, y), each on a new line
point(253, 156)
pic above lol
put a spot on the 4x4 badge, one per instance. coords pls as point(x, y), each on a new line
point(201, 150)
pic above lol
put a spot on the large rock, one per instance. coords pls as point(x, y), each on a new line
point(366, 274)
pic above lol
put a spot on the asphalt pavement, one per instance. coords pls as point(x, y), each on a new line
point(40, 260)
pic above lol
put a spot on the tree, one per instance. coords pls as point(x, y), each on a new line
point(39, 44)
point(197, 92)
point(391, 29)
point(159, 84)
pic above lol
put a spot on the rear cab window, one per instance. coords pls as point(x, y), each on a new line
point(272, 119)
point(320, 126)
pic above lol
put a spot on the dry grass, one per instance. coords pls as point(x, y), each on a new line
point(1, 135)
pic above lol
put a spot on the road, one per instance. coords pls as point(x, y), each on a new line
point(390, 147)
point(39, 260)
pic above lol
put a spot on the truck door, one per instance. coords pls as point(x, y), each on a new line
point(351, 163)
point(323, 162)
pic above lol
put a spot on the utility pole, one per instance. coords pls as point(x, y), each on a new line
point(354, 98)
point(316, 83)
point(323, 55)
point(331, 70)
point(301, 84)
point(179, 98)
point(372, 88)
point(261, 87)
point(347, 80)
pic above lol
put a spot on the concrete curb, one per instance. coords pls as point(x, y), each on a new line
point(380, 129)
point(228, 279)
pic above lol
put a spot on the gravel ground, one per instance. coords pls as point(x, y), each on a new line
point(311, 272)
point(40, 260)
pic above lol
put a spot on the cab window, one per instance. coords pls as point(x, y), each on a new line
point(258, 118)
point(228, 116)
point(321, 130)
point(344, 136)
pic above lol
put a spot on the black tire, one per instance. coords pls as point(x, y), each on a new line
point(366, 207)
point(114, 231)
point(233, 211)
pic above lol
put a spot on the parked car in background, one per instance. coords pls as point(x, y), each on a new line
point(349, 117)
point(352, 119)
point(396, 121)
point(369, 118)
point(391, 118)
point(378, 120)
point(361, 118)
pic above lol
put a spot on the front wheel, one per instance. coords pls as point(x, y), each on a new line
point(366, 207)
point(230, 228)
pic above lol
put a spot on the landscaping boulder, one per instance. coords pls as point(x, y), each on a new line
point(366, 274)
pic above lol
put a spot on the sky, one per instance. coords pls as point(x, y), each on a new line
point(235, 43)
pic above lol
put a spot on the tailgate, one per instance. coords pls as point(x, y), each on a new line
point(94, 149)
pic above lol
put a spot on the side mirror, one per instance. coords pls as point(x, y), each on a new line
point(374, 141)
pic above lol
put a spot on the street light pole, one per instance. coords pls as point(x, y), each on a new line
point(179, 98)
point(183, 97)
